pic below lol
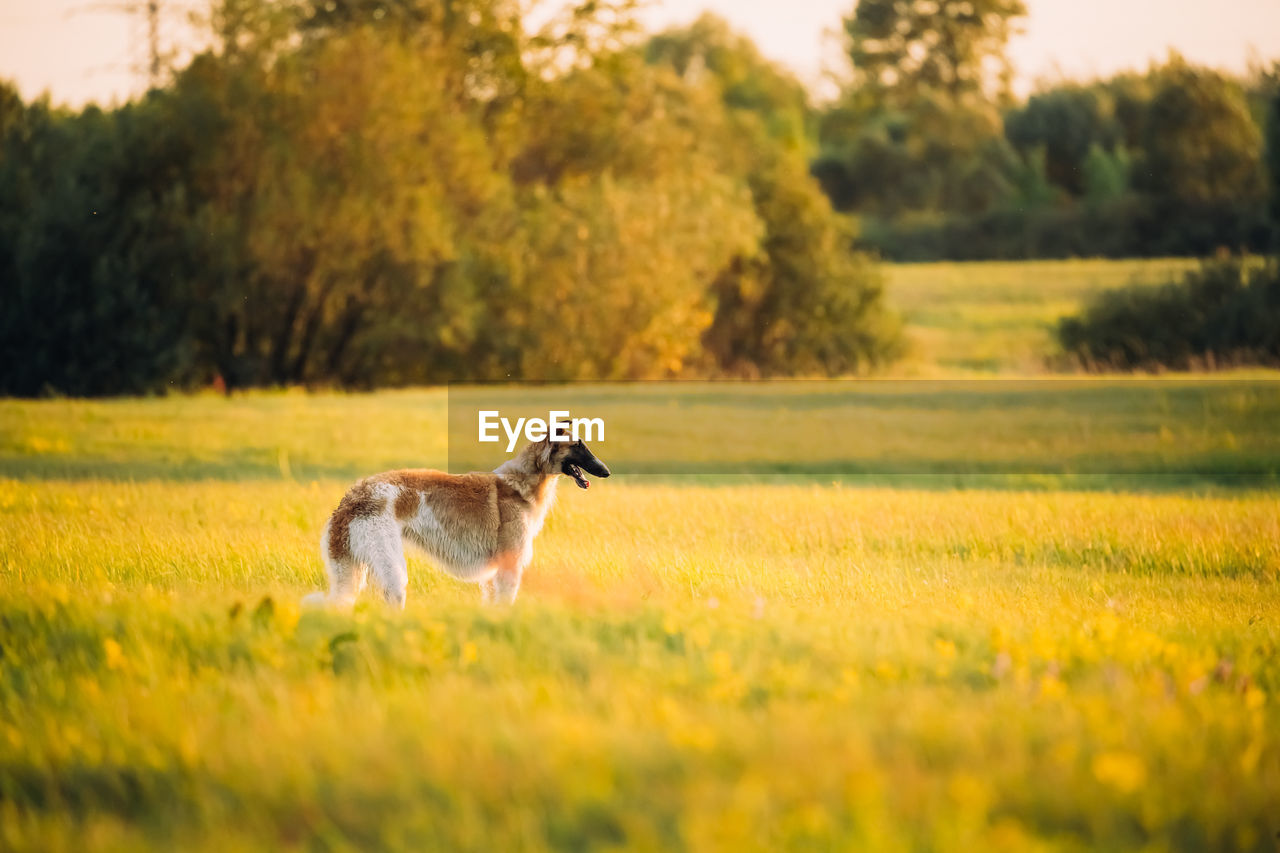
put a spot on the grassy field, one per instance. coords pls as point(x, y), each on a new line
point(982, 318)
point(720, 664)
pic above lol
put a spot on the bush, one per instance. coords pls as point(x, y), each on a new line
point(1129, 227)
point(1226, 313)
point(337, 199)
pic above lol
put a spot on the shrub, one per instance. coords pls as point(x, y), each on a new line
point(1225, 313)
point(1128, 227)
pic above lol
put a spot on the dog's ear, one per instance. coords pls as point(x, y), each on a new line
point(544, 451)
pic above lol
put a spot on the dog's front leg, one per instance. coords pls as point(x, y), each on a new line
point(505, 583)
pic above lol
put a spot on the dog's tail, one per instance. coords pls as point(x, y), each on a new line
point(315, 599)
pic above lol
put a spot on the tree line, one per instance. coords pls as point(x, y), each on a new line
point(927, 145)
point(382, 192)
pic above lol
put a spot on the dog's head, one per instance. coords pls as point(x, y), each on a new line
point(572, 458)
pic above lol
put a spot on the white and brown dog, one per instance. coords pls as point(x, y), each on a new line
point(477, 527)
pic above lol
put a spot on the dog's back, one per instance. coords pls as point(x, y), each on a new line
point(478, 527)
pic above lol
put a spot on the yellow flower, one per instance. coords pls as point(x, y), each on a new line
point(115, 655)
point(1249, 758)
point(287, 615)
point(1123, 771)
point(721, 664)
point(470, 653)
point(1108, 626)
point(1052, 687)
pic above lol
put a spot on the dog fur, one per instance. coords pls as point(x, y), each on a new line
point(477, 527)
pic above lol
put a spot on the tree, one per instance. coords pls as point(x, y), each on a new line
point(903, 50)
point(1106, 175)
point(1272, 150)
point(629, 213)
point(797, 299)
point(1066, 122)
point(805, 303)
point(917, 125)
point(351, 178)
point(373, 192)
point(93, 252)
point(1200, 143)
point(709, 50)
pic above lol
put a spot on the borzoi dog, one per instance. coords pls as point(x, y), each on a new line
point(477, 527)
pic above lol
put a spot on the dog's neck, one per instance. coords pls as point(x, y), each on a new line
point(524, 473)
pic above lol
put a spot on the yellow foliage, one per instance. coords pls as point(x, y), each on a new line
point(1123, 771)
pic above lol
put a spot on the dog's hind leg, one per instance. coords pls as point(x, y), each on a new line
point(376, 543)
point(346, 575)
point(346, 580)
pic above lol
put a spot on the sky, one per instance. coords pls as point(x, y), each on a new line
point(82, 50)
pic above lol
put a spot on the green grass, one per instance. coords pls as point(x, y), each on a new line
point(998, 317)
point(1081, 433)
point(717, 665)
point(1085, 433)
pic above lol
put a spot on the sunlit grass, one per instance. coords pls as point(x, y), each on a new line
point(1146, 433)
point(998, 317)
point(724, 666)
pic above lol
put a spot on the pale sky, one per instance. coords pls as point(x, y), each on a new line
point(80, 50)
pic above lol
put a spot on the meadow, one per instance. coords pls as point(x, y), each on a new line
point(1054, 626)
point(724, 664)
point(998, 317)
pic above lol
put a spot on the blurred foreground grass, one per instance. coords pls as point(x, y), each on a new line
point(725, 666)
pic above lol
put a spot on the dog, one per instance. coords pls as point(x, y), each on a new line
point(477, 527)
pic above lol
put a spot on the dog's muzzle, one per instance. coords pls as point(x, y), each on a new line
point(592, 466)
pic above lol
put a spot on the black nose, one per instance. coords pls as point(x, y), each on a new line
point(600, 469)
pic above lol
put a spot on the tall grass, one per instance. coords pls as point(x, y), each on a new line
point(986, 318)
point(690, 666)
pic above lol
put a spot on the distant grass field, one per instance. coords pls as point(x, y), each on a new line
point(1148, 433)
point(998, 317)
point(710, 665)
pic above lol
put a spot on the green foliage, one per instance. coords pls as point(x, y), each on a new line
point(1034, 189)
point(1129, 227)
point(906, 50)
point(93, 251)
point(1167, 162)
point(1066, 123)
point(1200, 142)
point(799, 302)
point(998, 317)
point(1227, 313)
point(708, 49)
point(1272, 154)
point(929, 157)
point(804, 303)
point(366, 192)
point(1106, 175)
point(915, 127)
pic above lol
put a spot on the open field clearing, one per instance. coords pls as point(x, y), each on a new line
point(713, 665)
point(998, 317)
point(1085, 433)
